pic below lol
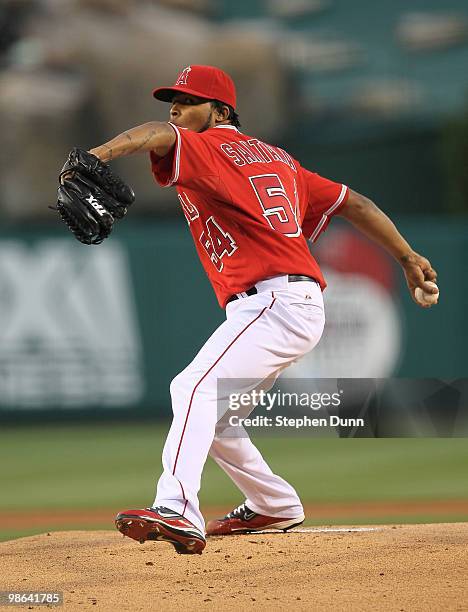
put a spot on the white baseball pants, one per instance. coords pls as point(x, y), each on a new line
point(263, 334)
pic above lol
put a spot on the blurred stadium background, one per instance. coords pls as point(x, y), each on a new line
point(374, 95)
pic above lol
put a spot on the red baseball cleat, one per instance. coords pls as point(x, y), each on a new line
point(244, 520)
point(161, 524)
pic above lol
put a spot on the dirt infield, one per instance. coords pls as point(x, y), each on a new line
point(342, 511)
point(401, 568)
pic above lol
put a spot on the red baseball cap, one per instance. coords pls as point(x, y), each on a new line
point(202, 81)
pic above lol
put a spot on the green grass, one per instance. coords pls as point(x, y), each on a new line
point(111, 466)
point(105, 465)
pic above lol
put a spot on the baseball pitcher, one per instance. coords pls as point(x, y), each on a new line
point(251, 208)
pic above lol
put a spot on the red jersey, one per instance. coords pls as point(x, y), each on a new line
point(250, 206)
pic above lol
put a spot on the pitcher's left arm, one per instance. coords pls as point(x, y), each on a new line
point(368, 218)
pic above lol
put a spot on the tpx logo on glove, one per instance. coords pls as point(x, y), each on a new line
point(95, 204)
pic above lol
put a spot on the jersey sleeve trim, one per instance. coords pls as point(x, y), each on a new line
point(330, 211)
point(176, 160)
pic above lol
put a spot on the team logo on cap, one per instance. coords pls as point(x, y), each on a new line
point(183, 76)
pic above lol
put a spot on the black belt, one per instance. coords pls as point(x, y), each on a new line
point(292, 278)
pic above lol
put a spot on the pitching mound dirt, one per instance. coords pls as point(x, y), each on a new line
point(401, 568)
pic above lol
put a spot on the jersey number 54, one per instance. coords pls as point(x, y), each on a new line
point(217, 242)
point(277, 207)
